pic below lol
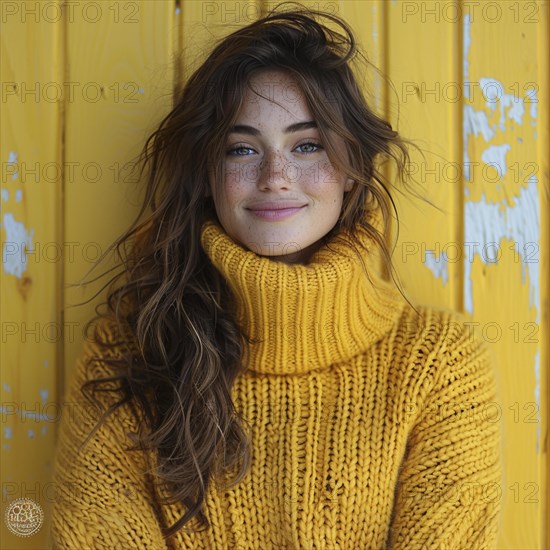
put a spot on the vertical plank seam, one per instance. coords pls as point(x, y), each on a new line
point(457, 278)
point(63, 73)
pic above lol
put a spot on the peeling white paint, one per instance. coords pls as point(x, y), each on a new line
point(8, 432)
point(533, 98)
point(474, 123)
point(12, 159)
point(7, 387)
point(45, 365)
point(489, 223)
point(5, 195)
point(438, 266)
point(18, 240)
point(494, 93)
point(31, 434)
point(18, 195)
point(537, 395)
point(495, 155)
point(486, 222)
point(44, 430)
point(44, 395)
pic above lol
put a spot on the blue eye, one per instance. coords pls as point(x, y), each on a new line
point(316, 145)
point(238, 148)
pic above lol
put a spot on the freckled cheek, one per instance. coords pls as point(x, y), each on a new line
point(318, 182)
point(317, 176)
point(234, 190)
point(241, 174)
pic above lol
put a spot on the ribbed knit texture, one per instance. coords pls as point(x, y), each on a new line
point(371, 426)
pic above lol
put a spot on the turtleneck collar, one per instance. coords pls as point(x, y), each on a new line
point(306, 317)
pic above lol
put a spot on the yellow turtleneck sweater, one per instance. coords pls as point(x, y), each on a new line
point(372, 428)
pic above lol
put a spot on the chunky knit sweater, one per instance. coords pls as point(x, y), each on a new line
point(373, 426)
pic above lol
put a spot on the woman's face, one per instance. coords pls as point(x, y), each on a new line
point(281, 194)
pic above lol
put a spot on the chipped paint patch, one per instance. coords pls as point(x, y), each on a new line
point(495, 155)
point(438, 266)
point(537, 396)
point(494, 93)
point(44, 395)
point(18, 240)
point(13, 162)
point(490, 222)
point(474, 123)
point(5, 195)
point(533, 100)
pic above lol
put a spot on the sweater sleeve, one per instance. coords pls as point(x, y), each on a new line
point(449, 490)
point(101, 498)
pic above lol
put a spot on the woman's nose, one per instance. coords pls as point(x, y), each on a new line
point(274, 171)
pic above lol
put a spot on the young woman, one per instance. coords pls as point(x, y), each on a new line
point(260, 384)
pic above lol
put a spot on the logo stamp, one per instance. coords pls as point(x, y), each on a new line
point(24, 517)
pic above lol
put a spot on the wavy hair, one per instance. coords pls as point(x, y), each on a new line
point(172, 308)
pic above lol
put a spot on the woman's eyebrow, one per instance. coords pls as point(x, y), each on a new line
point(250, 130)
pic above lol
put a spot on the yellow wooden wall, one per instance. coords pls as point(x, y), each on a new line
point(83, 83)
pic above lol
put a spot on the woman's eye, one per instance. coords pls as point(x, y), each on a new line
point(233, 150)
point(312, 144)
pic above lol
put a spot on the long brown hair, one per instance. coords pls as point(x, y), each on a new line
point(172, 308)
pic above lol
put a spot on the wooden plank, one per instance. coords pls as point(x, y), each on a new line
point(30, 150)
point(120, 59)
point(423, 63)
point(505, 144)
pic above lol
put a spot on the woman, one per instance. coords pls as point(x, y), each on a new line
point(261, 385)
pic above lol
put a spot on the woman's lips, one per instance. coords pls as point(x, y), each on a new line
point(277, 214)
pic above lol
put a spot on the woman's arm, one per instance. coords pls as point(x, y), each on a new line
point(449, 490)
point(101, 499)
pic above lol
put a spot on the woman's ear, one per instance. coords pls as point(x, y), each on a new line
point(349, 185)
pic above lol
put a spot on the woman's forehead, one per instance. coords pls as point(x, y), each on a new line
point(274, 92)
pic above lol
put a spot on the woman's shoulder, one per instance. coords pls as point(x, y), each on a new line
point(437, 343)
point(440, 327)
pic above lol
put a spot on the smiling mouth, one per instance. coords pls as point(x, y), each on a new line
point(276, 213)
